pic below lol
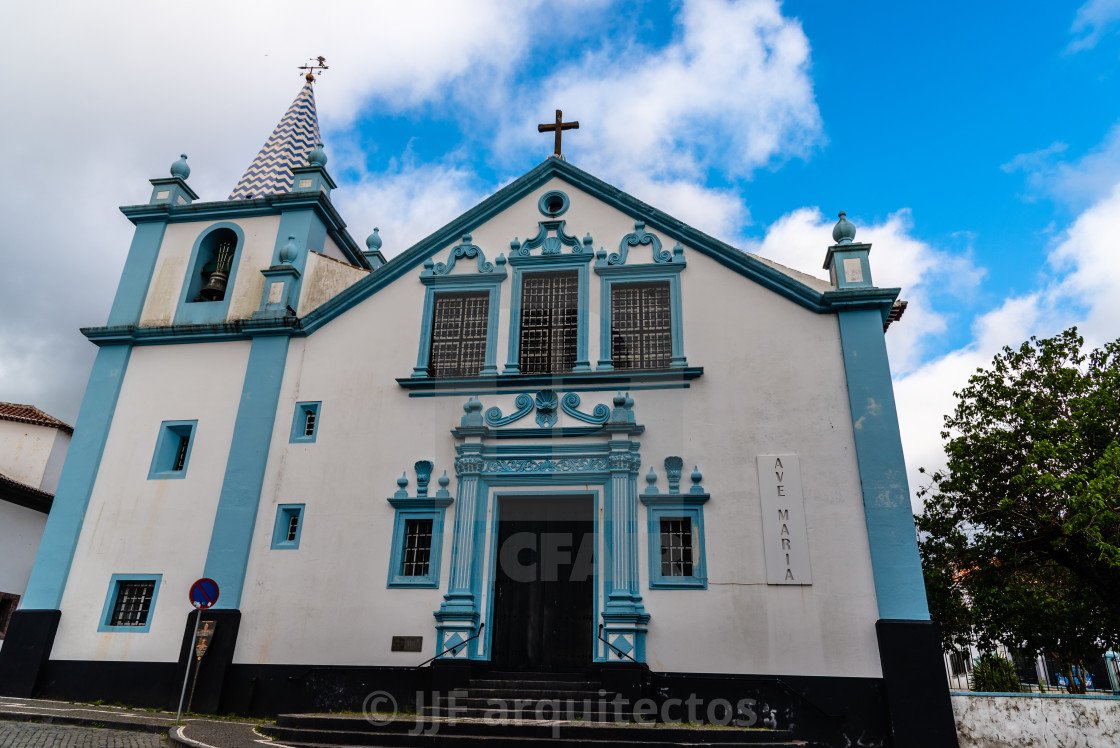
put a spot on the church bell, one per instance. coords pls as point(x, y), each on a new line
point(215, 288)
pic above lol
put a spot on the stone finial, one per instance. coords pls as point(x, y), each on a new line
point(844, 231)
point(651, 479)
point(373, 241)
point(317, 157)
point(289, 252)
point(402, 487)
point(179, 169)
point(443, 493)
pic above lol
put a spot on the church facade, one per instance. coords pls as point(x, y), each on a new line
point(565, 432)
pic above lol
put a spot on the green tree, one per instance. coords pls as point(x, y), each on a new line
point(1020, 535)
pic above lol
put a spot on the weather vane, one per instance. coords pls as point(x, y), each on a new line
point(311, 67)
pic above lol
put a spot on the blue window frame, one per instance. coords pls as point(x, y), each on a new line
point(417, 542)
point(173, 450)
point(130, 603)
point(676, 541)
point(288, 527)
point(488, 282)
point(305, 422)
point(529, 266)
point(618, 275)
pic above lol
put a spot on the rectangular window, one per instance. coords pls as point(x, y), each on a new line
point(641, 326)
point(134, 600)
point(459, 328)
point(676, 547)
point(305, 422)
point(130, 602)
point(549, 322)
point(173, 449)
point(8, 602)
point(417, 547)
point(288, 526)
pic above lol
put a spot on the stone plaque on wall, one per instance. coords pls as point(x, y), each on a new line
point(407, 643)
point(785, 539)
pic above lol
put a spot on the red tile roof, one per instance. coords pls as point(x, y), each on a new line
point(31, 414)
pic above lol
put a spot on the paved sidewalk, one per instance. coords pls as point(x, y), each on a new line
point(37, 735)
point(30, 720)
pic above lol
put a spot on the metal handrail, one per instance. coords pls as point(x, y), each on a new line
point(454, 649)
point(618, 651)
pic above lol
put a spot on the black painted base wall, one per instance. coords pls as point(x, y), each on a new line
point(921, 712)
point(27, 645)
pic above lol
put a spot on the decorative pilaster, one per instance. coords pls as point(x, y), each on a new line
point(624, 617)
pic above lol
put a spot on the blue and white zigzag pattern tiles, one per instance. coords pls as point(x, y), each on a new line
point(288, 146)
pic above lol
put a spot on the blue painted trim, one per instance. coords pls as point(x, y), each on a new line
point(495, 419)
point(136, 277)
point(167, 449)
point(622, 274)
point(676, 505)
point(267, 205)
point(111, 600)
point(64, 523)
point(899, 585)
point(232, 536)
point(569, 403)
point(1032, 695)
point(416, 508)
point(299, 422)
point(284, 514)
point(548, 264)
point(490, 283)
point(546, 198)
point(203, 312)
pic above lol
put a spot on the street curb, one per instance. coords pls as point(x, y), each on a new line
point(58, 719)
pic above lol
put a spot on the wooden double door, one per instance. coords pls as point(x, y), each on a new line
point(544, 585)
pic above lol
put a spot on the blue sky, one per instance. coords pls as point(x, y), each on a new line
point(977, 146)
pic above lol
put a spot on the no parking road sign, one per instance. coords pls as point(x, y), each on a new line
point(204, 593)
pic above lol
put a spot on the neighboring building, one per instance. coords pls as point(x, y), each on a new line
point(32, 449)
point(565, 432)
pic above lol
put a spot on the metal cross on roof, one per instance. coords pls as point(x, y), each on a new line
point(558, 127)
point(311, 67)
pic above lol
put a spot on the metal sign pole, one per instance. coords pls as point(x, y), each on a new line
point(187, 675)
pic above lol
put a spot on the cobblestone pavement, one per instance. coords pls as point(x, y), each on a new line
point(36, 735)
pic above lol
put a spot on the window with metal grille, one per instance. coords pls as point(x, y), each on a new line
point(417, 547)
point(132, 604)
point(459, 322)
point(676, 546)
point(549, 322)
point(181, 453)
point(641, 326)
point(309, 423)
point(293, 527)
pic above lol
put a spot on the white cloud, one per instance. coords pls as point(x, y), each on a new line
point(1093, 20)
point(898, 259)
point(1079, 182)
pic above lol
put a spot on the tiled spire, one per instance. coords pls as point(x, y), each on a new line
point(288, 146)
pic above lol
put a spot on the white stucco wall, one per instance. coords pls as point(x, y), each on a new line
point(134, 525)
point(773, 383)
point(324, 278)
point(20, 531)
point(1040, 721)
point(25, 452)
point(175, 255)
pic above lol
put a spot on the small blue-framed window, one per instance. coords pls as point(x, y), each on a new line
point(417, 543)
point(288, 527)
point(676, 541)
point(173, 450)
point(305, 422)
point(130, 603)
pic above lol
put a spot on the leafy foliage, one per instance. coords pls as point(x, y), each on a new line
point(1020, 536)
point(995, 674)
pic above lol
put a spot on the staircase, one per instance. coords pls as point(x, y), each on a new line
point(515, 709)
